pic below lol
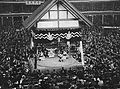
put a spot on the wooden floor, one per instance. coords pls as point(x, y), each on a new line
point(54, 63)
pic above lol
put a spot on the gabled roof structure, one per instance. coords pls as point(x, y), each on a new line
point(46, 6)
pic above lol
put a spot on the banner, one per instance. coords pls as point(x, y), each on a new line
point(51, 36)
point(33, 2)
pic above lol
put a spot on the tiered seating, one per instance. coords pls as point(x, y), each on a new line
point(101, 70)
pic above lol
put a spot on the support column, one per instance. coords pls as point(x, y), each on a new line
point(68, 37)
point(102, 19)
point(32, 43)
point(12, 21)
point(92, 18)
point(113, 20)
point(36, 58)
point(58, 41)
point(82, 54)
point(68, 44)
point(22, 18)
point(2, 20)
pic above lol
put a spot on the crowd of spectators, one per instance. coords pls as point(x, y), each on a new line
point(13, 55)
point(101, 69)
point(103, 54)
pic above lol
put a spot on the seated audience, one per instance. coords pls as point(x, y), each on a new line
point(101, 69)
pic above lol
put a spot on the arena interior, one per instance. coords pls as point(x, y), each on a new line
point(59, 44)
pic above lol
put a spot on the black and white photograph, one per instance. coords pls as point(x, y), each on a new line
point(59, 44)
